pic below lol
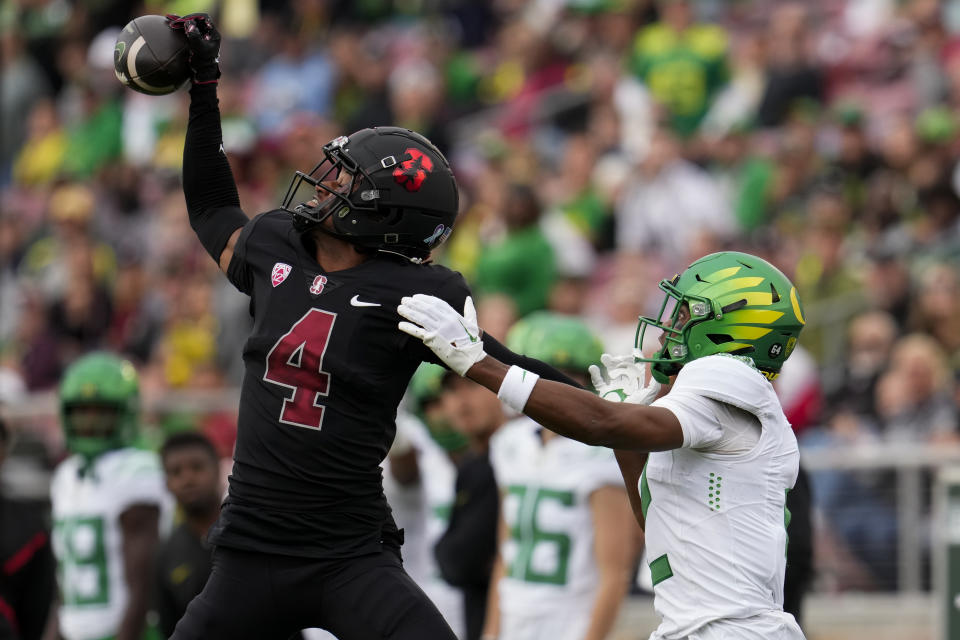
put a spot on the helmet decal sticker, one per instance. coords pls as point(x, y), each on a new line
point(411, 173)
point(796, 305)
point(437, 233)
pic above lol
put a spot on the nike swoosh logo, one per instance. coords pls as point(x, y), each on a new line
point(356, 302)
point(472, 337)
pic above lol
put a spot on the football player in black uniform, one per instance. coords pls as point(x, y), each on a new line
point(305, 537)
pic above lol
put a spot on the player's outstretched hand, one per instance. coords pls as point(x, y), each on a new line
point(623, 380)
point(204, 42)
point(453, 337)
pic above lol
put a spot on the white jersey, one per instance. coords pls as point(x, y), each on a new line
point(549, 564)
point(716, 509)
point(423, 511)
point(87, 538)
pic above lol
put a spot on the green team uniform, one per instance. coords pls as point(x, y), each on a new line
point(683, 71)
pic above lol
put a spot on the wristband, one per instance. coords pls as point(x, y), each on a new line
point(516, 387)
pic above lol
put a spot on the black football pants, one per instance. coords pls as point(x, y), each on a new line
point(260, 596)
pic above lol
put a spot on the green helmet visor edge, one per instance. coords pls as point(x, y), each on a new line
point(667, 360)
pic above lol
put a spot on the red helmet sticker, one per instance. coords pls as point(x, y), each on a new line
point(411, 173)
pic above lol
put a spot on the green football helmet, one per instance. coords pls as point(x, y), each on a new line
point(738, 304)
point(99, 404)
point(564, 342)
point(425, 387)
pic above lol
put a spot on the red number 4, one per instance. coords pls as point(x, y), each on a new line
point(295, 362)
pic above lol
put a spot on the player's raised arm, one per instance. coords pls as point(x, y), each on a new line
point(571, 412)
point(208, 185)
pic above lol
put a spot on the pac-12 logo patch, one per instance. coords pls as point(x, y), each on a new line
point(318, 284)
point(280, 272)
point(411, 173)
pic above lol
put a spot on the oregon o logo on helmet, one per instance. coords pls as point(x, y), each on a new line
point(411, 173)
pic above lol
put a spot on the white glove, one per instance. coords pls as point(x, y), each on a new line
point(623, 380)
point(453, 337)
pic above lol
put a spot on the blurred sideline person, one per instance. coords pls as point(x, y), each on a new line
point(422, 504)
point(107, 500)
point(28, 584)
point(192, 470)
point(305, 537)
point(568, 539)
point(707, 466)
point(465, 552)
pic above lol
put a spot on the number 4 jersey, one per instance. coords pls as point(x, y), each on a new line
point(326, 368)
point(549, 562)
point(87, 539)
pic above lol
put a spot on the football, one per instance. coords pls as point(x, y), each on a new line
point(150, 57)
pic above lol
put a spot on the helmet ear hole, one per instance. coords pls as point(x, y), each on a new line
point(733, 306)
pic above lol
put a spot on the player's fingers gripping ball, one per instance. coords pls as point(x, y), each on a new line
point(453, 337)
point(203, 41)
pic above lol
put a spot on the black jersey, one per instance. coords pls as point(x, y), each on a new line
point(326, 368)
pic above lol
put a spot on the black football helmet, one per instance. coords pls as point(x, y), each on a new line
point(402, 197)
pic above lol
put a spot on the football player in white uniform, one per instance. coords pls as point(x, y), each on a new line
point(722, 456)
point(568, 539)
point(107, 500)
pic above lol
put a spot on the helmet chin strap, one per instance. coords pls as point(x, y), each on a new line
point(352, 240)
point(404, 256)
point(309, 216)
point(306, 211)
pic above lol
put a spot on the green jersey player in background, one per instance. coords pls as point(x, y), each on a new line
point(107, 499)
point(568, 540)
point(711, 494)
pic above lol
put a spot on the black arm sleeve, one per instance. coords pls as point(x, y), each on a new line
point(211, 193)
point(508, 357)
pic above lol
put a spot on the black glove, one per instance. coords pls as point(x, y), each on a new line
point(204, 42)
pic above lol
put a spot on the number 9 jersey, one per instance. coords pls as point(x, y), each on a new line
point(87, 501)
point(326, 368)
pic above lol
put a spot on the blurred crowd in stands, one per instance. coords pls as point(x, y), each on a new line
point(600, 146)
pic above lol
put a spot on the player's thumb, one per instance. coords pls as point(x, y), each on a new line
point(595, 376)
point(469, 311)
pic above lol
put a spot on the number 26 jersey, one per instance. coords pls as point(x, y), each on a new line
point(325, 369)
